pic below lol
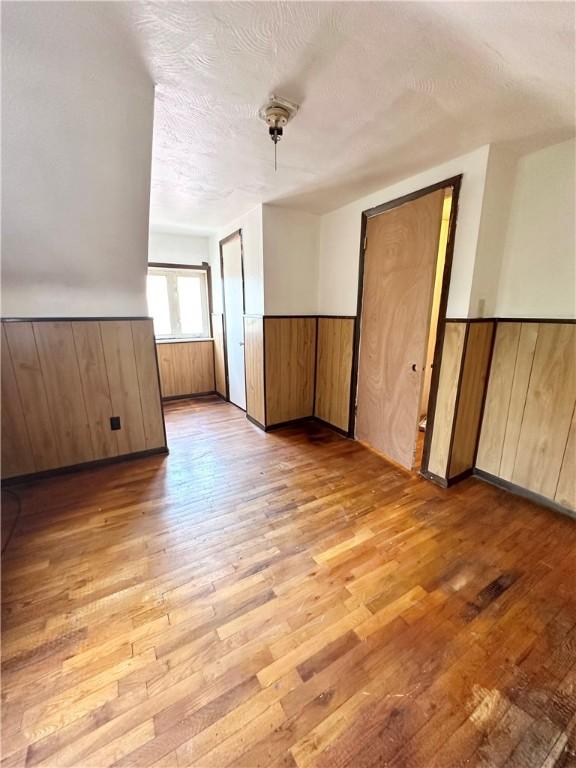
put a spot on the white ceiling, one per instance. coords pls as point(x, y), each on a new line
point(386, 89)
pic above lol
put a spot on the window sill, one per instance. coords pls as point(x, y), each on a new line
point(184, 339)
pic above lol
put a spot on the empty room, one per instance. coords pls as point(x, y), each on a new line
point(288, 368)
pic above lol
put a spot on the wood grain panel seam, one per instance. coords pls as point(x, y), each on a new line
point(564, 452)
point(139, 383)
point(525, 400)
point(509, 396)
point(485, 392)
point(314, 386)
point(49, 414)
point(77, 358)
point(107, 374)
point(29, 439)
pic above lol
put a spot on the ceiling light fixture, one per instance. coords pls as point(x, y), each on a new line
point(277, 113)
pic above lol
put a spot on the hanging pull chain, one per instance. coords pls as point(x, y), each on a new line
point(275, 132)
point(276, 114)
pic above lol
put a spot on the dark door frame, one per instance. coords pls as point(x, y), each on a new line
point(454, 183)
point(221, 244)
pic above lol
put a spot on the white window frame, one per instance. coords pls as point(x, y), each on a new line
point(172, 274)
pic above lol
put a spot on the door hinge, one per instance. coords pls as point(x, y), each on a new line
point(365, 241)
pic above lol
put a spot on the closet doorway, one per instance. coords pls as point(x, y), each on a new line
point(405, 265)
point(232, 271)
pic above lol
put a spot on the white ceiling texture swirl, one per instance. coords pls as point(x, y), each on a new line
point(386, 89)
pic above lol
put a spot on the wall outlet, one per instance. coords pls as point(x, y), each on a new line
point(115, 422)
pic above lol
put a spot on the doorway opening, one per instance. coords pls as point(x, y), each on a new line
point(433, 332)
point(405, 266)
point(233, 306)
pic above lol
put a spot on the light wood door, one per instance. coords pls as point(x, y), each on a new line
point(234, 319)
point(399, 270)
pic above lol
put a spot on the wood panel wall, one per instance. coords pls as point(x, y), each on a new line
point(298, 367)
point(219, 361)
point(528, 431)
point(464, 369)
point(334, 351)
point(289, 358)
point(186, 367)
point(474, 375)
point(254, 367)
point(63, 380)
point(446, 399)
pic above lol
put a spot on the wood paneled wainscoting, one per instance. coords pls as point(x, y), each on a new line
point(455, 423)
point(76, 391)
point(334, 354)
point(298, 367)
point(289, 365)
point(186, 367)
point(219, 355)
point(254, 366)
point(528, 436)
point(505, 407)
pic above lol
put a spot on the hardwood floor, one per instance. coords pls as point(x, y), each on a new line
point(284, 599)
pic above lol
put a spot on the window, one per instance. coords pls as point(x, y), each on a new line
point(178, 302)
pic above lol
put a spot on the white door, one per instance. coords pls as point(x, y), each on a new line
point(234, 318)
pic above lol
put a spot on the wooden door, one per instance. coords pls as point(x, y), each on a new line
point(233, 282)
point(399, 270)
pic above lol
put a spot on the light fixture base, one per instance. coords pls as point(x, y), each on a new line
point(277, 112)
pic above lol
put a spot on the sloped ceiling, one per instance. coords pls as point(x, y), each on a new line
point(386, 89)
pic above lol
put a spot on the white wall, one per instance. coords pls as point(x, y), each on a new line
point(538, 272)
point(291, 241)
point(496, 207)
point(340, 236)
point(251, 226)
point(172, 248)
point(77, 112)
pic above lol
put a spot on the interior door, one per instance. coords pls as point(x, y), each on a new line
point(399, 270)
point(233, 282)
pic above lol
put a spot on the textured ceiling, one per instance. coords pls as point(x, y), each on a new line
point(386, 89)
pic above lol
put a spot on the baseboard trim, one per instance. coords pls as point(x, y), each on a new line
point(436, 479)
point(57, 471)
point(190, 396)
point(444, 482)
point(290, 423)
point(297, 423)
point(518, 490)
point(333, 427)
point(461, 476)
point(256, 423)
